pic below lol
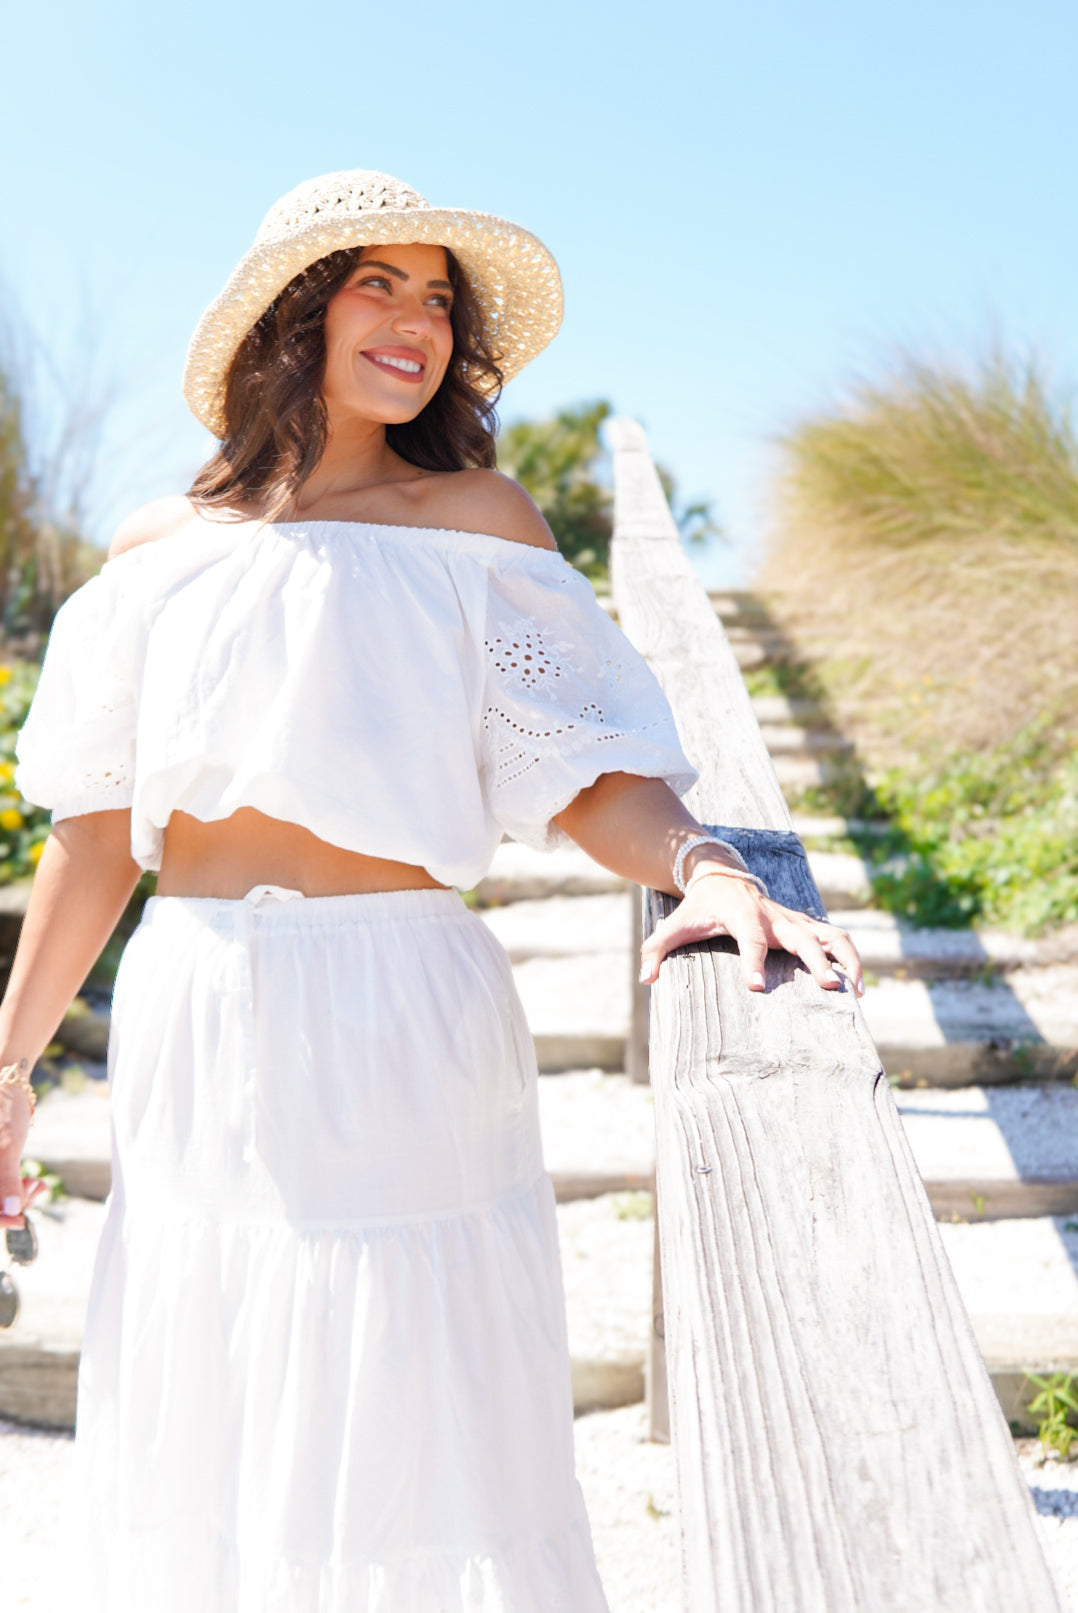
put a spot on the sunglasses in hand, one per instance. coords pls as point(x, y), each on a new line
point(21, 1249)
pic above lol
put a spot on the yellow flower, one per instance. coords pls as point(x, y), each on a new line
point(35, 851)
point(7, 770)
point(5, 675)
point(11, 818)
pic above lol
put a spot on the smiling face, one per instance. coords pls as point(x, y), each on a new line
point(388, 335)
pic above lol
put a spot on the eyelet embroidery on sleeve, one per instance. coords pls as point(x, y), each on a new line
point(524, 657)
point(106, 716)
point(517, 749)
point(557, 694)
point(102, 781)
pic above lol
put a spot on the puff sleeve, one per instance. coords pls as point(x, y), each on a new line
point(76, 750)
point(566, 698)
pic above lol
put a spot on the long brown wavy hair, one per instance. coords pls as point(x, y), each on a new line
point(275, 420)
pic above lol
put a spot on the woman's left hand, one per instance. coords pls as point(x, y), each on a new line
point(723, 905)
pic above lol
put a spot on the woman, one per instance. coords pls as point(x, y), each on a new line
point(325, 1363)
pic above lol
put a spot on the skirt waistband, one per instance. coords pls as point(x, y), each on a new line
point(267, 941)
point(290, 909)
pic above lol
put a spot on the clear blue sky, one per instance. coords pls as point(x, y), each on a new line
point(749, 202)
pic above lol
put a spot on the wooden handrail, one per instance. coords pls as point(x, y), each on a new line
point(839, 1445)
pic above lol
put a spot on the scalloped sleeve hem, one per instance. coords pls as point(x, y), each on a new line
point(76, 750)
point(567, 698)
point(77, 806)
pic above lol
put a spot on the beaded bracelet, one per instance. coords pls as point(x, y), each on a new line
point(704, 840)
point(18, 1075)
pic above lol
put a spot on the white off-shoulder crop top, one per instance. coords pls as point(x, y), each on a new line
point(404, 692)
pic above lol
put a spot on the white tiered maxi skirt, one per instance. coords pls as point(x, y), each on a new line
point(325, 1367)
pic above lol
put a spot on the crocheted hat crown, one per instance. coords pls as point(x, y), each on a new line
point(352, 192)
point(514, 277)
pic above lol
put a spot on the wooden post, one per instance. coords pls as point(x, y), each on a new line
point(636, 1049)
point(655, 1386)
point(839, 1446)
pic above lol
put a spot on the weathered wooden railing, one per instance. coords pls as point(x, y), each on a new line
point(839, 1446)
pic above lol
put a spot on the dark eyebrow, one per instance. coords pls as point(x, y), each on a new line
point(390, 268)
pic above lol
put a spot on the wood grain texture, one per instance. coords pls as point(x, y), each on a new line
point(839, 1446)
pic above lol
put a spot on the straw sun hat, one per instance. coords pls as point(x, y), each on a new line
point(515, 279)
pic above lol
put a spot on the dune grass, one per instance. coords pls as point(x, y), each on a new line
point(925, 555)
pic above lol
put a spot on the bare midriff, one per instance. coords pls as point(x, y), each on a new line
point(230, 857)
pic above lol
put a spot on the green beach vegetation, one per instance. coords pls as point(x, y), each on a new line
point(43, 553)
point(43, 558)
point(924, 558)
point(23, 828)
point(562, 463)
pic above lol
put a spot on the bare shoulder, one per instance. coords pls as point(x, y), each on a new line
point(487, 501)
point(158, 519)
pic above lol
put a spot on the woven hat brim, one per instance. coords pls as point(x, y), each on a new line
point(513, 275)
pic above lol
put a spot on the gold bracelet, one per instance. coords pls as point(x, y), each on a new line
point(729, 873)
point(18, 1075)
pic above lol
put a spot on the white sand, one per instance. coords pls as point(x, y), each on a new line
point(629, 1486)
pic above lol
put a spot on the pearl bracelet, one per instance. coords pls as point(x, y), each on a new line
point(18, 1075)
point(704, 840)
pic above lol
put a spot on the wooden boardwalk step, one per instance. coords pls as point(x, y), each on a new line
point(985, 1153)
point(39, 1354)
point(954, 1201)
point(789, 739)
point(799, 772)
point(1020, 1286)
point(979, 1199)
point(965, 1032)
point(938, 1033)
point(736, 608)
point(571, 1186)
point(14, 898)
point(563, 926)
point(1014, 1148)
point(753, 650)
point(780, 708)
point(986, 1200)
point(519, 874)
point(1018, 1281)
point(831, 827)
point(889, 946)
point(567, 926)
point(931, 1031)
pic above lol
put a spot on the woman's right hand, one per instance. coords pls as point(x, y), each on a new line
point(15, 1188)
